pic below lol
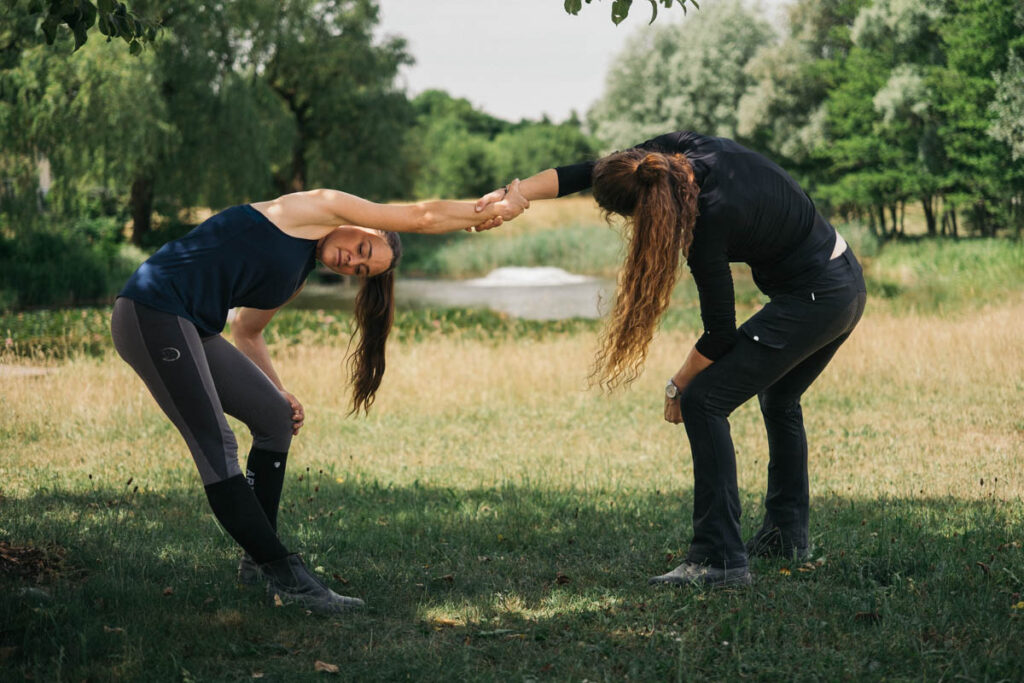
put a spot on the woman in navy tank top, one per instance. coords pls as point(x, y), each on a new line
point(167, 324)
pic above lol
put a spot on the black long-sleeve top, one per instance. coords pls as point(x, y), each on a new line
point(751, 211)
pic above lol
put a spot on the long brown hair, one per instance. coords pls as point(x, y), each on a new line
point(657, 193)
point(374, 314)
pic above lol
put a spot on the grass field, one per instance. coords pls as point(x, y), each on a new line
point(501, 521)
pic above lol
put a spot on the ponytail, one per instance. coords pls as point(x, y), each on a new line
point(658, 194)
point(374, 314)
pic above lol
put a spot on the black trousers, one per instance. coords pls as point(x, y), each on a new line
point(781, 350)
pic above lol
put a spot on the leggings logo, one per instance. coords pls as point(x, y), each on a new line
point(169, 354)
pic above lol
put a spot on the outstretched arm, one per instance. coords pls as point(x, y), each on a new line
point(309, 214)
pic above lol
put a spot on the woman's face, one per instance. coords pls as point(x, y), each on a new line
point(352, 250)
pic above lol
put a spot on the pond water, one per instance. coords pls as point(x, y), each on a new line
point(532, 293)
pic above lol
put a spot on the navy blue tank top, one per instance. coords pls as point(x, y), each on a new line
point(235, 258)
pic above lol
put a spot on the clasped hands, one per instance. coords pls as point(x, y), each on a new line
point(508, 201)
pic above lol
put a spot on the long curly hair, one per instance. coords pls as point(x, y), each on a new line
point(374, 314)
point(657, 194)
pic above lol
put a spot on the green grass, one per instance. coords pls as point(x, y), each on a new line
point(511, 582)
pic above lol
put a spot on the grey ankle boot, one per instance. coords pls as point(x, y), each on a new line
point(701, 575)
point(770, 541)
point(290, 581)
point(249, 573)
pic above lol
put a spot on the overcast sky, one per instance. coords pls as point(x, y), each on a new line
point(516, 58)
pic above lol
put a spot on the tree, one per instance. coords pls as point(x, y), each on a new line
point(979, 38)
point(527, 149)
point(449, 147)
point(784, 111)
point(689, 76)
point(321, 61)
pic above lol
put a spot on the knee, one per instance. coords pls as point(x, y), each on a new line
point(274, 430)
point(693, 401)
point(779, 405)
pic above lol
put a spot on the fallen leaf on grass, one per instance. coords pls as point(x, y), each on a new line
point(1019, 605)
point(168, 591)
point(277, 601)
point(871, 617)
point(115, 629)
point(257, 674)
point(325, 667)
point(445, 623)
point(983, 566)
point(450, 578)
point(561, 579)
point(340, 579)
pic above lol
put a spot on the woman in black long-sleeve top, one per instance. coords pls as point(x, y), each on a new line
point(716, 202)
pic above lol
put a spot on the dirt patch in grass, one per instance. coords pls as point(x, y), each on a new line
point(36, 565)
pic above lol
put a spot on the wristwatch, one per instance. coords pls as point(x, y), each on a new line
point(671, 390)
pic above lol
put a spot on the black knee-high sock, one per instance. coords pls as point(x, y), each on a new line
point(241, 515)
point(265, 474)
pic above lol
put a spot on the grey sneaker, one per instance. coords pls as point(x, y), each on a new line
point(701, 575)
point(249, 573)
point(769, 541)
point(290, 582)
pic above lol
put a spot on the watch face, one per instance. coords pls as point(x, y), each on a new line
point(671, 390)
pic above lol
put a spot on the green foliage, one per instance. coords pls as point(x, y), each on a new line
point(620, 8)
point(458, 151)
point(688, 76)
point(112, 18)
point(47, 267)
point(942, 275)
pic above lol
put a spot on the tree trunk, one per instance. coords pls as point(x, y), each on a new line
point(142, 208)
point(881, 220)
point(895, 221)
point(929, 214)
point(955, 230)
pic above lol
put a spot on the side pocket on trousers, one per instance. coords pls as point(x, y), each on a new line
point(763, 334)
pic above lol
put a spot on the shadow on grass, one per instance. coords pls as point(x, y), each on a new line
point(516, 581)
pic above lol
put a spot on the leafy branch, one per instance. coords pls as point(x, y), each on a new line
point(620, 8)
point(114, 18)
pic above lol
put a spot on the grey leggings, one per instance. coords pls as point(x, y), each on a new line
point(196, 381)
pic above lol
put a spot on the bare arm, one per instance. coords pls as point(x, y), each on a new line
point(247, 333)
point(310, 214)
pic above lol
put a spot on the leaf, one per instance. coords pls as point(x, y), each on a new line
point(620, 10)
point(325, 667)
point(105, 6)
point(49, 28)
point(115, 629)
point(168, 591)
point(573, 6)
point(81, 36)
